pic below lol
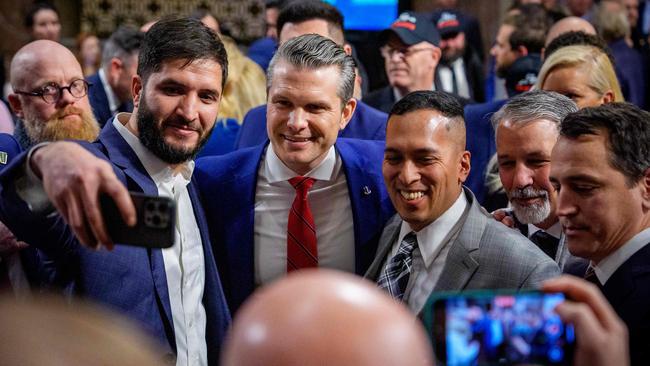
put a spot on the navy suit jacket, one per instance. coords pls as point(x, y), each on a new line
point(99, 101)
point(630, 68)
point(228, 183)
point(480, 143)
point(10, 147)
point(366, 123)
point(130, 280)
point(381, 99)
point(628, 291)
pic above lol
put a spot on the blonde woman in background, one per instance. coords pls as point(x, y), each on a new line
point(582, 73)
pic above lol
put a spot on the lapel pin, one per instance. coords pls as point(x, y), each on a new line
point(3, 157)
point(366, 191)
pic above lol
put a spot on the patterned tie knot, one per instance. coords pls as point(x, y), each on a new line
point(395, 276)
point(302, 184)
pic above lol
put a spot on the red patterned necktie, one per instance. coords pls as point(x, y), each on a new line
point(301, 232)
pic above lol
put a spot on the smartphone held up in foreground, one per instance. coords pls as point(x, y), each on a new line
point(499, 328)
point(156, 221)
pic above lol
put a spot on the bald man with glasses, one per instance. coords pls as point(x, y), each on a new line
point(49, 95)
point(50, 99)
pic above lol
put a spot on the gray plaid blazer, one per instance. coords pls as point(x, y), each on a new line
point(485, 255)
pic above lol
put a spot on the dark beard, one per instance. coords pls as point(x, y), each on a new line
point(151, 137)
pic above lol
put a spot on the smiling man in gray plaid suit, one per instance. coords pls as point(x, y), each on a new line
point(442, 239)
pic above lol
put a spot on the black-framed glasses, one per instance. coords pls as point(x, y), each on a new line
point(51, 93)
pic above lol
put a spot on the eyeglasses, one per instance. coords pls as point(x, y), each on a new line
point(388, 51)
point(52, 92)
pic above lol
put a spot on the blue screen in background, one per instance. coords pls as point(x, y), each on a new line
point(366, 14)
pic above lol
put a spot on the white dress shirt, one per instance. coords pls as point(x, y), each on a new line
point(606, 267)
point(330, 206)
point(112, 98)
point(446, 73)
point(430, 255)
point(184, 261)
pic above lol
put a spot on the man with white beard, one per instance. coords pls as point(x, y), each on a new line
point(526, 129)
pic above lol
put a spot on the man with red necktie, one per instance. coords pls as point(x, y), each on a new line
point(306, 199)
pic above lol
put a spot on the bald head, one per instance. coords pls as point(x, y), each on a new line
point(323, 317)
point(46, 63)
point(35, 59)
point(569, 24)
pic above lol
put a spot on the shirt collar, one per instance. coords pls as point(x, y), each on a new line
point(555, 230)
point(277, 171)
point(431, 236)
point(112, 98)
point(157, 169)
point(606, 268)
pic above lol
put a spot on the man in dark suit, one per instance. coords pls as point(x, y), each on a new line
point(601, 169)
point(174, 294)
point(317, 17)
point(248, 194)
point(411, 51)
point(441, 239)
point(110, 92)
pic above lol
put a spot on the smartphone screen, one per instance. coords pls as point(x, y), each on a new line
point(507, 329)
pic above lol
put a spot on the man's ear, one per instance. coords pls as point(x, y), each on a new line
point(348, 111)
point(16, 105)
point(522, 51)
point(645, 187)
point(436, 54)
point(348, 49)
point(136, 89)
point(465, 166)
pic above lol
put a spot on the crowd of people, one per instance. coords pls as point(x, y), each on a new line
point(315, 218)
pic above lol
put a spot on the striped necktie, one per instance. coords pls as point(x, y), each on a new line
point(302, 251)
point(395, 275)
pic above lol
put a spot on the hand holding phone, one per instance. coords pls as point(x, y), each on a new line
point(155, 225)
point(602, 337)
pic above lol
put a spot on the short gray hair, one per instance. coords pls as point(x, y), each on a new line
point(532, 106)
point(124, 42)
point(312, 51)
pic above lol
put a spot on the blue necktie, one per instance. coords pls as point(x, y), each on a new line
point(395, 275)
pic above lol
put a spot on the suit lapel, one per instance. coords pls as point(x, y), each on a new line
point(388, 238)
point(460, 264)
point(237, 212)
point(120, 153)
point(364, 192)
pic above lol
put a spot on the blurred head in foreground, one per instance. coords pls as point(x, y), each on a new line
point(322, 317)
point(49, 331)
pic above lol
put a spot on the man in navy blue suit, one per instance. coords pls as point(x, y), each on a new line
point(248, 194)
point(600, 167)
point(110, 92)
point(174, 294)
point(317, 17)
